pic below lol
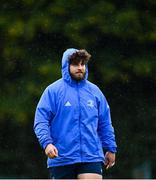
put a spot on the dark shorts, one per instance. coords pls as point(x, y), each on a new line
point(73, 170)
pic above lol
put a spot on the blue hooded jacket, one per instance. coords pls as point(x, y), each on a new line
point(75, 118)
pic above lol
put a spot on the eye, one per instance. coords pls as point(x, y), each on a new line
point(83, 64)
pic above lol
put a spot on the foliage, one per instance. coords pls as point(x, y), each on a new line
point(121, 37)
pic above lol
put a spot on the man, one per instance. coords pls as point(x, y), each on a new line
point(73, 123)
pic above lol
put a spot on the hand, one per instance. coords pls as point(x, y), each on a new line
point(109, 159)
point(51, 151)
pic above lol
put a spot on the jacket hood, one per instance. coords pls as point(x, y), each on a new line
point(65, 65)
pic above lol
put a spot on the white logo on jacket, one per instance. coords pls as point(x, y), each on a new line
point(90, 103)
point(67, 103)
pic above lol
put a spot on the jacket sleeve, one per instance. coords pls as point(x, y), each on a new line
point(105, 128)
point(43, 115)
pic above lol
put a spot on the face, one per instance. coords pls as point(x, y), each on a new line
point(77, 71)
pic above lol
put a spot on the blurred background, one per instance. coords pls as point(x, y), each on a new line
point(120, 35)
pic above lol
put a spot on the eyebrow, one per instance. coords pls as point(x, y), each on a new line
point(77, 62)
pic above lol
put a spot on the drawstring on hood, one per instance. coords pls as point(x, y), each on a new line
point(65, 65)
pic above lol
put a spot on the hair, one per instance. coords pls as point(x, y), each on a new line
point(80, 55)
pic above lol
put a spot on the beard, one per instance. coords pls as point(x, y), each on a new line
point(78, 76)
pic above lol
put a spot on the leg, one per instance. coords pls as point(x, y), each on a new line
point(90, 170)
point(89, 176)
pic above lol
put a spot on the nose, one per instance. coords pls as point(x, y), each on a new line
point(80, 66)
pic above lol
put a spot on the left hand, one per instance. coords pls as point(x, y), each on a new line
point(109, 159)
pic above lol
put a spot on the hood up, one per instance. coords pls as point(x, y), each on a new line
point(65, 65)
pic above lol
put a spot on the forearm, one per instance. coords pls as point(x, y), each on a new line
point(107, 137)
point(41, 130)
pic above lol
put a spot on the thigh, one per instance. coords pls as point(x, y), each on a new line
point(90, 170)
point(89, 176)
point(63, 172)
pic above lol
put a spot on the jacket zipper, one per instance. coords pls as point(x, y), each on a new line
point(79, 120)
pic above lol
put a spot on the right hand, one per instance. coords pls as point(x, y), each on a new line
point(51, 151)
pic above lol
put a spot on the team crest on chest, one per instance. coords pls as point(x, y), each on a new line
point(90, 103)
